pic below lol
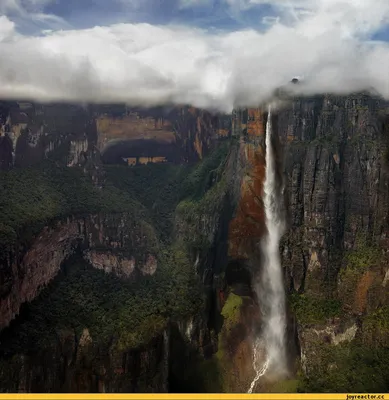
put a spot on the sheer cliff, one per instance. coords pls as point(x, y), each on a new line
point(130, 246)
point(73, 134)
point(97, 256)
point(335, 252)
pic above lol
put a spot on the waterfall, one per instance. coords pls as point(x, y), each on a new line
point(272, 295)
point(259, 371)
point(271, 289)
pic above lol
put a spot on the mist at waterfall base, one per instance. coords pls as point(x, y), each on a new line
point(269, 352)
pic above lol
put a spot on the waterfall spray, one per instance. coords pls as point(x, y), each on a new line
point(271, 291)
point(258, 371)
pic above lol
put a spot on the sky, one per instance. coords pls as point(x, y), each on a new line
point(215, 54)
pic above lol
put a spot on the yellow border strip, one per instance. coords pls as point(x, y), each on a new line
point(163, 396)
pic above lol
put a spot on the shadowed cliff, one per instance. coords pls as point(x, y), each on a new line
point(156, 260)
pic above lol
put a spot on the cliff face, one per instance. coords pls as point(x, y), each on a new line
point(243, 321)
point(332, 159)
point(65, 132)
point(72, 364)
point(87, 331)
point(178, 134)
point(73, 134)
point(247, 226)
point(335, 251)
point(335, 163)
point(113, 243)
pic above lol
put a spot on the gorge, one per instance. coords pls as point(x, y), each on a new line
point(113, 278)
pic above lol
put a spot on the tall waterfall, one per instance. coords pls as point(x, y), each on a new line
point(270, 291)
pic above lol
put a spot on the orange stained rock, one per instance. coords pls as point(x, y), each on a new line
point(146, 160)
point(255, 122)
point(289, 133)
point(222, 132)
point(131, 160)
point(236, 348)
point(143, 160)
point(198, 145)
point(290, 138)
point(198, 124)
point(248, 224)
point(133, 127)
point(204, 131)
point(242, 370)
point(158, 159)
point(363, 286)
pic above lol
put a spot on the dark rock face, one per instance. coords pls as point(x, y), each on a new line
point(78, 365)
point(332, 158)
point(6, 151)
point(72, 134)
point(335, 250)
point(114, 243)
point(336, 182)
point(179, 134)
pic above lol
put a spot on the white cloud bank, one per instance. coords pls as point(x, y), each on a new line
point(141, 64)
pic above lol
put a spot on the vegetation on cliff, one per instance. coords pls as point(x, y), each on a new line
point(202, 196)
point(126, 312)
point(347, 367)
point(120, 314)
point(156, 186)
point(33, 197)
point(231, 310)
point(364, 255)
point(310, 310)
point(358, 364)
point(160, 187)
point(375, 328)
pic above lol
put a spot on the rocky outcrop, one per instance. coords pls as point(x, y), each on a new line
point(73, 134)
point(79, 365)
point(110, 263)
point(178, 134)
point(235, 342)
point(247, 227)
point(113, 243)
point(131, 126)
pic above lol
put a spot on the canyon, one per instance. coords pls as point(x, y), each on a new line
point(130, 246)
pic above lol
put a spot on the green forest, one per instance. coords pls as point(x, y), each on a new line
point(127, 313)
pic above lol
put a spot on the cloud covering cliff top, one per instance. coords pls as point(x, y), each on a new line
point(210, 65)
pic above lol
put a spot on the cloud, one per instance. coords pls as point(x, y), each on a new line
point(29, 12)
point(194, 3)
point(326, 41)
point(23, 6)
point(7, 28)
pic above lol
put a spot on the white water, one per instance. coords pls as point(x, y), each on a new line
point(258, 371)
point(271, 289)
